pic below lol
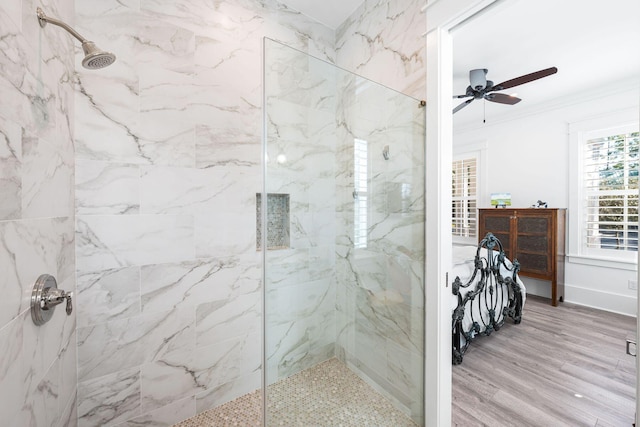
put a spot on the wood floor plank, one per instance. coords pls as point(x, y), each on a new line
point(562, 365)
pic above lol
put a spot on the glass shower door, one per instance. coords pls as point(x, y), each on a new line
point(343, 246)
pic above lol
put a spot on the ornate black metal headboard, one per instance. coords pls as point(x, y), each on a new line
point(487, 298)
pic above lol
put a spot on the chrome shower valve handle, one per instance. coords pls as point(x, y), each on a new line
point(45, 297)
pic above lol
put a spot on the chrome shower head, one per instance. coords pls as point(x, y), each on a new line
point(94, 57)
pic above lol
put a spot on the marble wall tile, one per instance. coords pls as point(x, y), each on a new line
point(106, 123)
point(405, 370)
point(109, 347)
point(219, 395)
point(11, 381)
point(167, 90)
point(37, 364)
point(68, 375)
point(17, 81)
point(166, 416)
point(11, 170)
point(172, 378)
point(104, 242)
point(220, 233)
point(14, 301)
point(64, 231)
point(107, 188)
point(224, 362)
point(239, 147)
point(287, 267)
point(383, 42)
point(191, 283)
point(167, 190)
point(301, 326)
point(13, 10)
point(108, 295)
point(225, 319)
point(46, 179)
point(69, 417)
point(41, 399)
point(108, 399)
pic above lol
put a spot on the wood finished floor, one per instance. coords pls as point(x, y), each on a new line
point(533, 374)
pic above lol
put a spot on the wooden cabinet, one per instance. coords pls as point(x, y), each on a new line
point(535, 237)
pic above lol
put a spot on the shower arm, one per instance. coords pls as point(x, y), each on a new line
point(44, 19)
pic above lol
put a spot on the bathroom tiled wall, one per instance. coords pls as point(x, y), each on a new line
point(168, 155)
point(167, 164)
point(383, 41)
point(37, 363)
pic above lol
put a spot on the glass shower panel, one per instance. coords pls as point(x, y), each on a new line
point(344, 298)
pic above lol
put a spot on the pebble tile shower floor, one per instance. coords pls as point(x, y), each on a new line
point(328, 394)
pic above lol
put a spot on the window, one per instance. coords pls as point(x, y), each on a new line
point(603, 194)
point(464, 197)
point(610, 180)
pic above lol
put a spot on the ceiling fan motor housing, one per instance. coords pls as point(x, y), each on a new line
point(478, 78)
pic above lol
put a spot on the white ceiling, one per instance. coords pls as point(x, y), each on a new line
point(331, 13)
point(594, 45)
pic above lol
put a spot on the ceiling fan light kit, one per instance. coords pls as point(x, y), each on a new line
point(481, 88)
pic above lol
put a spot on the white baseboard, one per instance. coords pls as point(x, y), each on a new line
point(615, 303)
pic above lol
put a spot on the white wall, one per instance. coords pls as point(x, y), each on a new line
point(528, 156)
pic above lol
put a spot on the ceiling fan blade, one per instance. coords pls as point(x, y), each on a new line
point(461, 106)
point(461, 96)
point(525, 79)
point(502, 98)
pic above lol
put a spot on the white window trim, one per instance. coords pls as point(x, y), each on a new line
point(578, 131)
point(477, 149)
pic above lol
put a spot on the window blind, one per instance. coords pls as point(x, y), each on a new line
point(610, 168)
point(464, 197)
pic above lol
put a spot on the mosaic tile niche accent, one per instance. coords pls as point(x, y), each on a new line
point(277, 221)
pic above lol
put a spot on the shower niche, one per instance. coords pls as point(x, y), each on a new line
point(278, 228)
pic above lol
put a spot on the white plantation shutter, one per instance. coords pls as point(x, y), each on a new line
point(610, 184)
point(464, 197)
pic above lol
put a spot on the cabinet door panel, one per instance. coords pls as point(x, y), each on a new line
point(533, 225)
point(495, 224)
point(533, 243)
point(533, 262)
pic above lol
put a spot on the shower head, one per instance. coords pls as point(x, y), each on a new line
point(94, 57)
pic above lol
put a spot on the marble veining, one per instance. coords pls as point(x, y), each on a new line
point(109, 399)
point(109, 347)
point(11, 171)
point(383, 41)
point(108, 295)
point(104, 188)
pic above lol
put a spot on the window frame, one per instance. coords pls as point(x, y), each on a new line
point(620, 122)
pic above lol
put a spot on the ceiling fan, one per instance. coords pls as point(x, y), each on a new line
point(481, 88)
